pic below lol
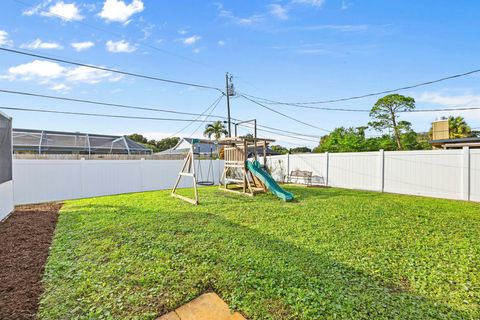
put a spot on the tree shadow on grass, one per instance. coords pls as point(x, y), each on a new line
point(256, 273)
point(323, 193)
point(309, 285)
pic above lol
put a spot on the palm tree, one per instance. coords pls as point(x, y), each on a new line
point(215, 129)
point(458, 127)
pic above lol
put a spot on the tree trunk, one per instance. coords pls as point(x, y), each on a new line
point(395, 131)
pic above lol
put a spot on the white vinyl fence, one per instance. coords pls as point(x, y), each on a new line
point(6, 184)
point(6, 199)
point(451, 174)
point(37, 181)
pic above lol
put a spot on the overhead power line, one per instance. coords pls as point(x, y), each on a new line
point(197, 119)
point(101, 103)
point(442, 109)
point(131, 74)
point(290, 132)
point(289, 136)
point(207, 116)
point(95, 114)
point(283, 114)
point(459, 75)
point(125, 106)
point(459, 108)
point(304, 106)
point(278, 132)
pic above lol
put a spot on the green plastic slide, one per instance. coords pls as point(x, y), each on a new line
point(269, 182)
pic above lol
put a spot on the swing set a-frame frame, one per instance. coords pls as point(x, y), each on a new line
point(188, 170)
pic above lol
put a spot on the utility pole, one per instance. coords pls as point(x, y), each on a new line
point(229, 92)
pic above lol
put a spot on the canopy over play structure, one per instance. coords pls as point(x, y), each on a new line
point(242, 173)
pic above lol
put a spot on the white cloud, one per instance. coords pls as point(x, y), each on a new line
point(64, 11)
point(36, 69)
point(314, 3)
point(4, 41)
point(221, 43)
point(312, 51)
point(60, 87)
point(147, 31)
point(449, 101)
point(238, 20)
point(196, 50)
point(191, 40)
point(334, 27)
point(39, 44)
point(442, 100)
point(182, 31)
point(120, 46)
point(345, 5)
point(119, 11)
point(61, 10)
point(81, 46)
point(45, 72)
point(278, 11)
point(89, 75)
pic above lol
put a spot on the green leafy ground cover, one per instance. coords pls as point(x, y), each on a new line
point(331, 254)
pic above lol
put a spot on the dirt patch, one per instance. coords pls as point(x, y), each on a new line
point(25, 238)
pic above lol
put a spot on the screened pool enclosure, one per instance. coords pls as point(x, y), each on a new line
point(56, 142)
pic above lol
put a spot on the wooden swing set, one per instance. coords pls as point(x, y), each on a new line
point(236, 176)
point(189, 170)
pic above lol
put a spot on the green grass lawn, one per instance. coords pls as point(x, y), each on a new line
point(331, 254)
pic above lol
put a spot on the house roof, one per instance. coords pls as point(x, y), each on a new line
point(459, 140)
point(473, 142)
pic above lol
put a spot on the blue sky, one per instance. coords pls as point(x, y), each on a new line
point(297, 50)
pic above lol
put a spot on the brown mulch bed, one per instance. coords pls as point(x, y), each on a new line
point(25, 238)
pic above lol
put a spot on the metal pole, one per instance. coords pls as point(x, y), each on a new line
point(227, 80)
point(255, 139)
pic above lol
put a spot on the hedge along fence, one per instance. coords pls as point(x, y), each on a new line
point(450, 174)
point(6, 184)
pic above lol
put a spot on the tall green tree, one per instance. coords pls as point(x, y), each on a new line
point(343, 140)
point(167, 143)
point(138, 138)
point(385, 115)
point(354, 140)
point(215, 129)
point(155, 145)
point(300, 150)
point(279, 149)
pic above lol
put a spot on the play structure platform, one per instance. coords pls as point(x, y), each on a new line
point(244, 176)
